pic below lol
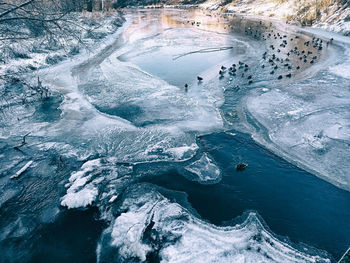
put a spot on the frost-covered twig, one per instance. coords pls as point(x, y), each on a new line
point(205, 50)
point(15, 8)
point(22, 170)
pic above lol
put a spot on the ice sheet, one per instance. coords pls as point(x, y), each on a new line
point(149, 224)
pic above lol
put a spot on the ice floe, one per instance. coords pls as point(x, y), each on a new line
point(102, 176)
point(205, 170)
point(81, 192)
point(150, 225)
point(308, 123)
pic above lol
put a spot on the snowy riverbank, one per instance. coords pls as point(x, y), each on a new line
point(333, 16)
point(82, 31)
point(330, 15)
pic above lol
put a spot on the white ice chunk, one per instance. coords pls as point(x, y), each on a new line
point(112, 199)
point(183, 151)
point(80, 192)
point(205, 169)
point(81, 198)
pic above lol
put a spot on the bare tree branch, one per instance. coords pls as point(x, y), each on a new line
point(15, 8)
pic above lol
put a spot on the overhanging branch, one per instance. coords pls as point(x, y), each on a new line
point(15, 8)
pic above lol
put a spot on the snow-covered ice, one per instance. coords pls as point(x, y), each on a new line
point(150, 223)
point(308, 122)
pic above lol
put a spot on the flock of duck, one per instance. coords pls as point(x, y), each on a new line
point(277, 58)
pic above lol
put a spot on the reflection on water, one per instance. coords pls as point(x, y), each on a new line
point(157, 38)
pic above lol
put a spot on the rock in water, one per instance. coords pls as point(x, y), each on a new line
point(241, 166)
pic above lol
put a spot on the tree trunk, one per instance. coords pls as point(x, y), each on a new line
point(89, 5)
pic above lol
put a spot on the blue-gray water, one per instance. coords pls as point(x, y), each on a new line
point(292, 202)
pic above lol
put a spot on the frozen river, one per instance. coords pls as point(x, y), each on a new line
point(126, 164)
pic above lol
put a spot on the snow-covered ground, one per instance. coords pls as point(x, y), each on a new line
point(338, 21)
point(29, 54)
point(332, 15)
point(336, 17)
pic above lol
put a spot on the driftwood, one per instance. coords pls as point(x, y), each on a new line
point(205, 50)
point(22, 143)
point(22, 170)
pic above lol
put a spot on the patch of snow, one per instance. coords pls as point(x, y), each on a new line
point(81, 198)
point(183, 151)
point(81, 191)
point(342, 70)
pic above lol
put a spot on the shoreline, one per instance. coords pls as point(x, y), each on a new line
point(249, 15)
